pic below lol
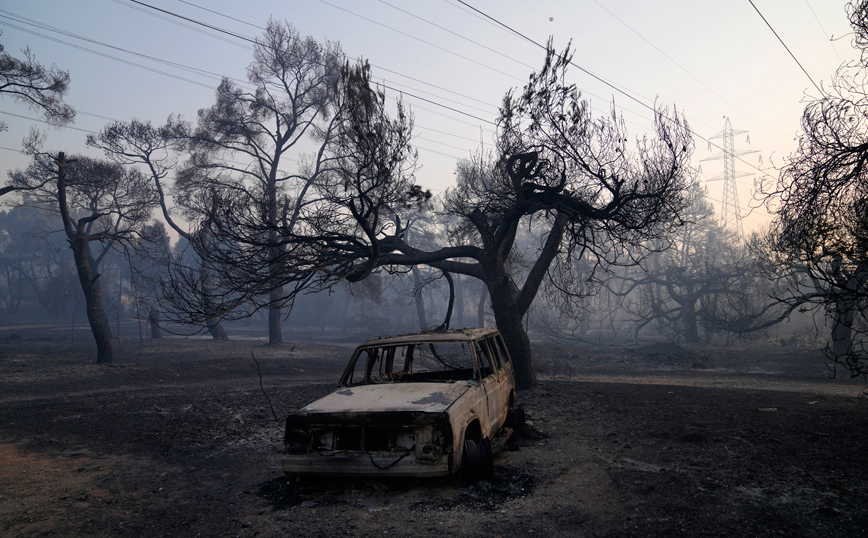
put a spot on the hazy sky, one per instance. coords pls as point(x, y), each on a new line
point(709, 59)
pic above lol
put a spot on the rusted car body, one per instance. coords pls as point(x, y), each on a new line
point(415, 405)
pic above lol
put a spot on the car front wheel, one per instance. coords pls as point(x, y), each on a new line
point(478, 460)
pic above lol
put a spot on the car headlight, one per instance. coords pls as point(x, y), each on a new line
point(432, 442)
point(297, 442)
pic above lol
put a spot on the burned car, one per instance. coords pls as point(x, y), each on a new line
point(415, 405)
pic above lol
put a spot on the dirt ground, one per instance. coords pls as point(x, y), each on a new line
point(178, 439)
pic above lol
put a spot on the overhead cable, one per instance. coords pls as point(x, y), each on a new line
point(788, 48)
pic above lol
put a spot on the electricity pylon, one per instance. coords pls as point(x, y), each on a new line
point(731, 210)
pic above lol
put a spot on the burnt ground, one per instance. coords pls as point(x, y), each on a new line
point(177, 439)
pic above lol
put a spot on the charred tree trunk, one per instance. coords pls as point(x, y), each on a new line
point(691, 326)
point(94, 264)
point(450, 304)
point(78, 242)
point(93, 301)
point(275, 297)
point(458, 311)
point(417, 295)
point(275, 333)
point(215, 328)
point(842, 326)
point(480, 308)
point(154, 322)
point(509, 322)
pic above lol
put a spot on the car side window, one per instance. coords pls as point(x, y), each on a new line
point(495, 354)
point(486, 365)
point(501, 347)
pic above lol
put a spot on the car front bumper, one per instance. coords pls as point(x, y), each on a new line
point(363, 464)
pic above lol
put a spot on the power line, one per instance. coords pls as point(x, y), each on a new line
point(409, 94)
point(477, 43)
point(443, 98)
point(440, 105)
point(416, 38)
point(239, 36)
point(446, 133)
point(47, 122)
point(111, 57)
point(50, 28)
point(499, 24)
point(222, 14)
point(441, 143)
point(658, 49)
point(543, 47)
point(178, 23)
point(97, 116)
point(786, 47)
point(386, 86)
point(437, 152)
point(464, 57)
point(596, 77)
point(824, 31)
point(194, 70)
point(375, 66)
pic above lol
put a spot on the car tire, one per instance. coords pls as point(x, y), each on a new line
point(474, 460)
point(515, 418)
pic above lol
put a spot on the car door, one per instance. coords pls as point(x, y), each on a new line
point(492, 383)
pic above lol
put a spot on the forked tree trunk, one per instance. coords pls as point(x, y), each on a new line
point(508, 318)
point(510, 326)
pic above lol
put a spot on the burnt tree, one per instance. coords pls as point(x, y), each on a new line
point(99, 203)
point(557, 165)
point(241, 146)
point(138, 143)
point(37, 87)
point(820, 202)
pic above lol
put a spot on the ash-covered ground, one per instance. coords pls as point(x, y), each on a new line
point(178, 439)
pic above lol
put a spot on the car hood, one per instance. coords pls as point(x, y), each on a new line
point(418, 397)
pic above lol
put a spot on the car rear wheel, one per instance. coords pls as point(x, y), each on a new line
point(515, 418)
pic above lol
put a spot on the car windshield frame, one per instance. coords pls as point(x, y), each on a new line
point(413, 361)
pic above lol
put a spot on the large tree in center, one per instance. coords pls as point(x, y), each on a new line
point(574, 174)
point(557, 164)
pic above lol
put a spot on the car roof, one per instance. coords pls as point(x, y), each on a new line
point(451, 335)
